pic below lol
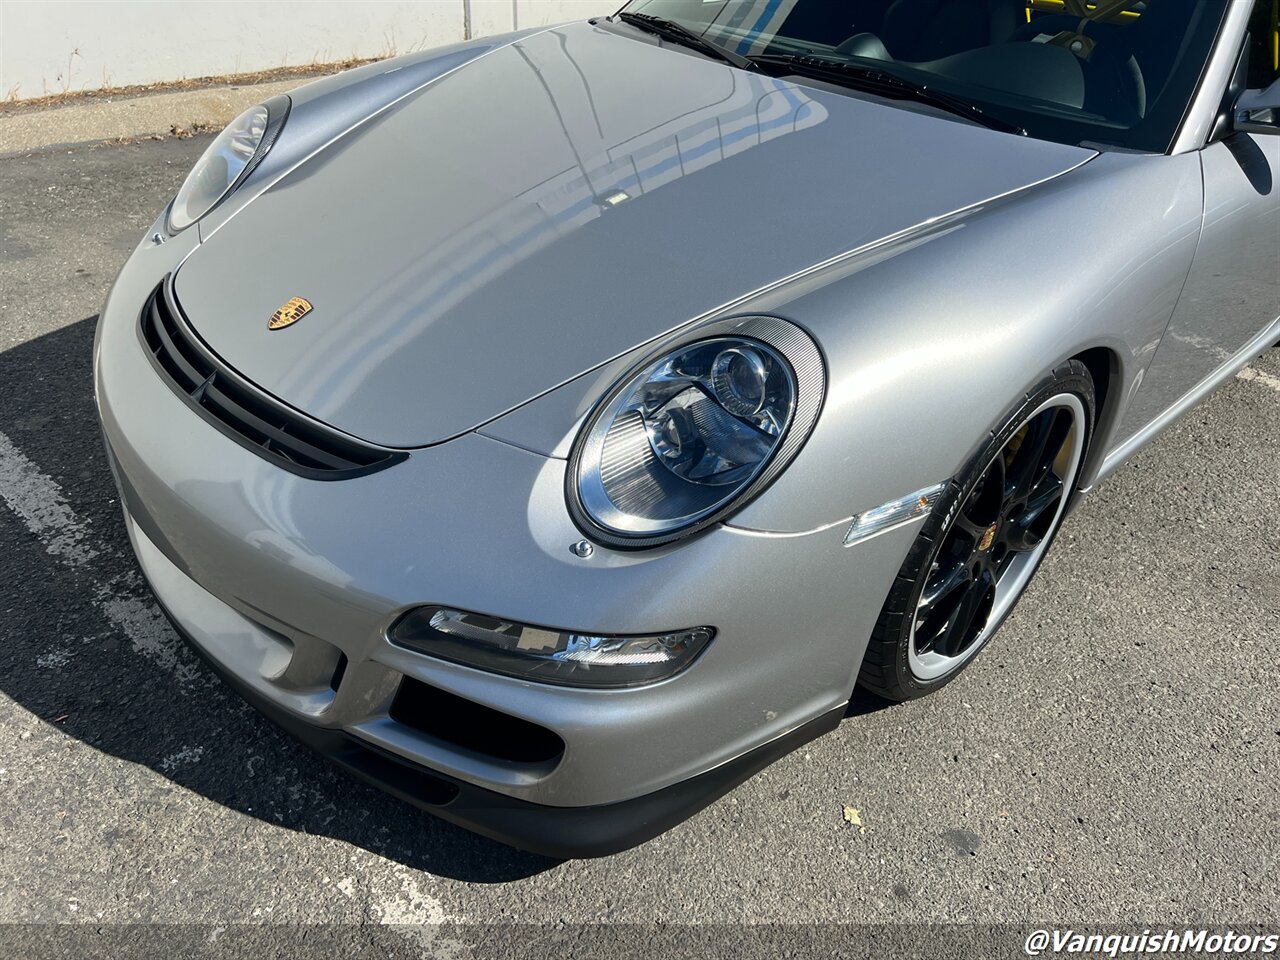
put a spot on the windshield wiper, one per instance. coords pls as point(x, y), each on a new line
point(883, 82)
point(678, 33)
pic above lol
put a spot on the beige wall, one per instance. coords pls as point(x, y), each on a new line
point(56, 46)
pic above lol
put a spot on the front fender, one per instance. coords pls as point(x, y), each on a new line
point(931, 345)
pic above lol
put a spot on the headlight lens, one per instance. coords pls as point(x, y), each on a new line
point(548, 656)
point(689, 436)
point(233, 154)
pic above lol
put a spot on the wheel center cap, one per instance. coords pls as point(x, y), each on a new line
point(988, 538)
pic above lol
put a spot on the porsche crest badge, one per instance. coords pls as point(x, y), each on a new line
point(988, 538)
point(289, 314)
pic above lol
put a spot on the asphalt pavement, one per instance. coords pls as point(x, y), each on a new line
point(1112, 758)
point(91, 119)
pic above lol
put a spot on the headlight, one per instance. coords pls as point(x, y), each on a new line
point(695, 432)
point(230, 158)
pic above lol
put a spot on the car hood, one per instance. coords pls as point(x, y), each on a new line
point(552, 205)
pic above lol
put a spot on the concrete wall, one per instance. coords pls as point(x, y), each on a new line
point(57, 46)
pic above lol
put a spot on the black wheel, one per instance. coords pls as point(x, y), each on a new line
point(983, 541)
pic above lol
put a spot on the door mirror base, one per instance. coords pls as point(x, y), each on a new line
point(1258, 111)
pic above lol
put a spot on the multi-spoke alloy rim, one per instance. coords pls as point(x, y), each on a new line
point(997, 538)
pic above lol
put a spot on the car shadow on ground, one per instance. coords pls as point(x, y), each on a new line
point(864, 702)
point(65, 659)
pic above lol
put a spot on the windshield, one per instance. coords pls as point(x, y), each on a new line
point(1118, 72)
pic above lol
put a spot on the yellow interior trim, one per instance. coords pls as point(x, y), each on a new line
point(1056, 6)
point(1275, 34)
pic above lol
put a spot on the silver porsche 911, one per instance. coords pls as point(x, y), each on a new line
point(555, 428)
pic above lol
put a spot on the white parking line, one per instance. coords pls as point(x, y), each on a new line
point(409, 911)
point(396, 900)
point(39, 503)
point(1258, 376)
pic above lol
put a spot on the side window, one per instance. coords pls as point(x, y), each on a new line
point(1264, 43)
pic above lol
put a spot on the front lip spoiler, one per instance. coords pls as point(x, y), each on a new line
point(562, 833)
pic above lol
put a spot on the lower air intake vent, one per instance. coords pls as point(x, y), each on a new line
point(471, 726)
point(266, 426)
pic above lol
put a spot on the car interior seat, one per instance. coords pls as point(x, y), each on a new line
point(921, 30)
point(1130, 62)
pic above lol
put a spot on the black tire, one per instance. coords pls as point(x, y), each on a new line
point(887, 666)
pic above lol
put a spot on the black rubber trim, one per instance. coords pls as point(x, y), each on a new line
point(563, 833)
point(257, 422)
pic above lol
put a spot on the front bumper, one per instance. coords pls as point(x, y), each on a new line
point(286, 583)
point(560, 832)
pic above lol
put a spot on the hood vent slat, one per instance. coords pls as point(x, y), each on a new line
point(260, 423)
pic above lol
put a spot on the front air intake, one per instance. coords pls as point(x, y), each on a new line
point(473, 727)
point(254, 420)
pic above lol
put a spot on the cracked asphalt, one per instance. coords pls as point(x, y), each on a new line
point(1112, 759)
